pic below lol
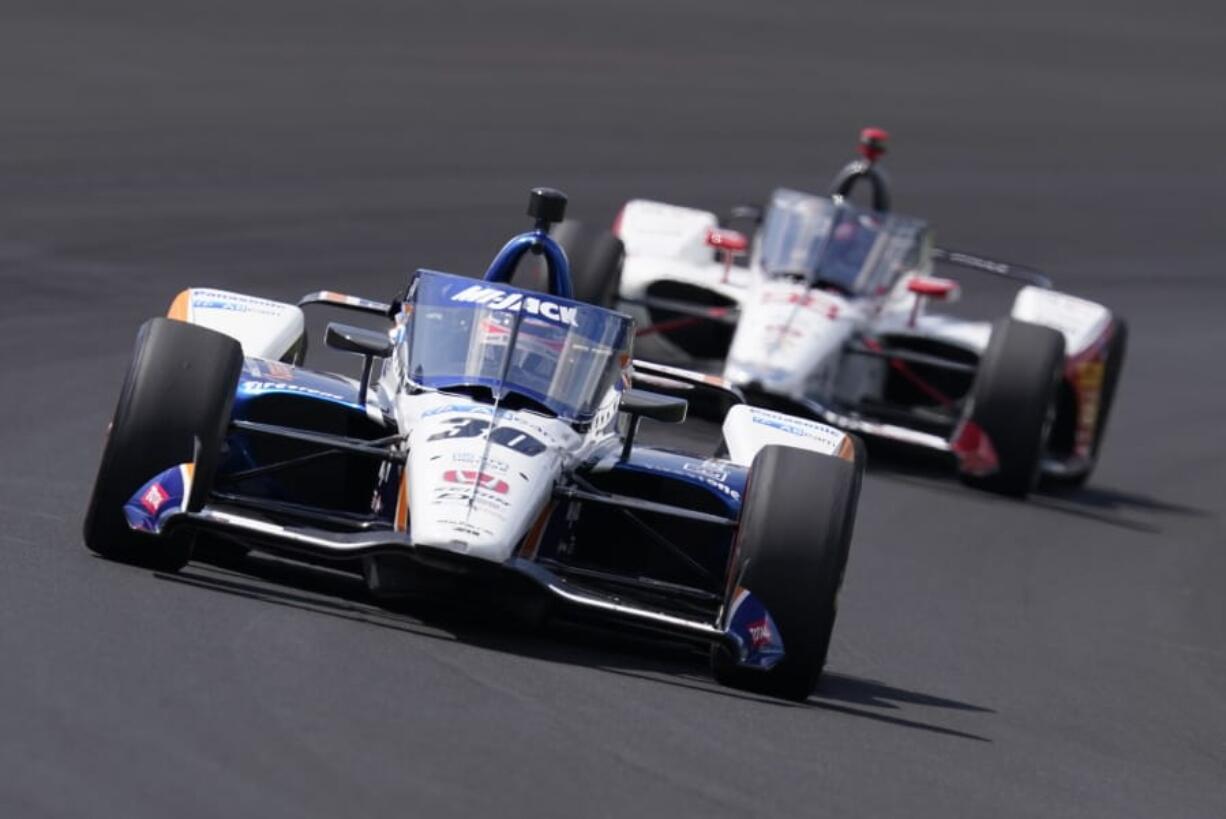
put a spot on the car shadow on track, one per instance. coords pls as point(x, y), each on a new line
point(659, 661)
point(1105, 505)
point(833, 693)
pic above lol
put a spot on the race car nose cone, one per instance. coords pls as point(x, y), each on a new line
point(547, 205)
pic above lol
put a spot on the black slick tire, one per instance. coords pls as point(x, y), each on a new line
point(791, 553)
point(596, 257)
point(174, 408)
point(1013, 402)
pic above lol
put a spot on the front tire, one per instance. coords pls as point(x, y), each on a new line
point(791, 553)
point(178, 391)
point(1013, 403)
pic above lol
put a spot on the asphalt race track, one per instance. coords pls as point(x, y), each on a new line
point(1061, 657)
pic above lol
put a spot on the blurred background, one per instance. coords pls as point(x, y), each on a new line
point(352, 131)
point(1060, 657)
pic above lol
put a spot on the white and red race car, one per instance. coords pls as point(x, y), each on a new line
point(824, 308)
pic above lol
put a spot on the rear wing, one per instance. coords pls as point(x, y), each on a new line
point(1006, 270)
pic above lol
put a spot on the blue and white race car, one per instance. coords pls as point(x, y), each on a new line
point(496, 445)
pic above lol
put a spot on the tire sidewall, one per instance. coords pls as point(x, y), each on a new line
point(791, 552)
point(174, 407)
point(1013, 401)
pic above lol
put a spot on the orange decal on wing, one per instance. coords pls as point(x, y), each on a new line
point(847, 450)
point(532, 541)
point(402, 502)
point(178, 307)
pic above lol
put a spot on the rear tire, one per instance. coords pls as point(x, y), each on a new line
point(596, 257)
point(791, 554)
point(1013, 401)
point(179, 389)
point(1117, 348)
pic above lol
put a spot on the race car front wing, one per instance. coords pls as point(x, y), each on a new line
point(161, 506)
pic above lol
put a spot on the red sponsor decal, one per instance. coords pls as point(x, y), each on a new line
point(469, 477)
point(808, 300)
point(494, 328)
point(153, 498)
point(279, 371)
point(760, 633)
point(973, 447)
point(1085, 373)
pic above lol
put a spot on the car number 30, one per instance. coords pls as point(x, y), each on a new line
point(509, 437)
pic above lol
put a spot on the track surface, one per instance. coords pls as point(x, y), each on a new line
point(1063, 657)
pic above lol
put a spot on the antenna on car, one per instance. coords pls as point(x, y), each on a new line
point(548, 207)
point(872, 143)
point(871, 147)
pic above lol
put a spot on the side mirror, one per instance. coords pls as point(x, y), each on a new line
point(349, 339)
point(653, 405)
point(708, 396)
point(729, 244)
point(731, 241)
point(643, 404)
point(366, 343)
point(930, 287)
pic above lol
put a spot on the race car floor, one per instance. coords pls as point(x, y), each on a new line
point(1064, 656)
